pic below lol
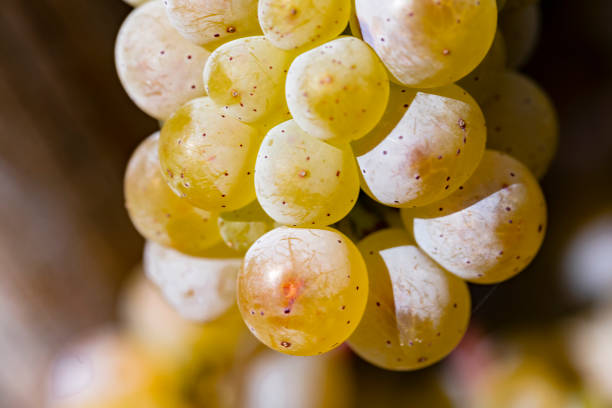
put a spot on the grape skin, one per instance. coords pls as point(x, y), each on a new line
point(135, 3)
point(521, 29)
point(337, 90)
point(491, 228)
point(417, 312)
point(302, 291)
point(208, 157)
point(159, 69)
point(157, 213)
point(425, 43)
point(241, 228)
point(427, 144)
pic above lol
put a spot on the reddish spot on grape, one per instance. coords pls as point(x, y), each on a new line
point(285, 344)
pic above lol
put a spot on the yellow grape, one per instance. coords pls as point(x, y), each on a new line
point(417, 312)
point(159, 214)
point(337, 90)
point(522, 122)
point(301, 180)
point(292, 24)
point(491, 228)
point(521, 29)
point(426, 145)
point(208, 157)
point(427, 43)
point(241, 228)
point(302, 291)
point(247, 76)
point(212, 22)
point(135, 3)
point(158, 68)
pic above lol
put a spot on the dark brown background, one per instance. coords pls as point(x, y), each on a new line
point(67, 130)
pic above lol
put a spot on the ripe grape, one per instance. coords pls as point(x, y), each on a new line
point(337, 90)
point(241, 228)
point(522, 122)
point(247, 76)
point(491, 228)
point(157, 213)
point(135, 3)
point(416, 313)
point(302, 291)
point(301, 180)
point(158, 68)
point(211, 22)
point(208, 157)
point(427, 144)
point(426, 43)
point(521, 29)
point(302, 23)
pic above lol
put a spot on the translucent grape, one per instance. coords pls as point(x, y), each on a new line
point(417, 312)
point(159, 69)
point(302, 291)
point(522, 122)
point(427, 144)
point(521, 29)
point(301, 180)
point(337, 90)
point(247, 76)
point(212, 22)
point(491, 228)
point(241, 228)
point(157, 213)
point(302, 23)
point(208, 157)
point(426, 43)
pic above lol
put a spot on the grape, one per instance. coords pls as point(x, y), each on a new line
point(501, 4)
point(427, 144)
point(337, 90)
point(157, 213)
point(241, 228)
point(209, 157)
point(416, 314)
point(158, 68)
point(521, 29)
point(302, 291)
point(292, 24)
point(522, 122)
point(247, 76)
point(135, 3)
point(425, 43)
point(301, 180)
point(491, 228)
point(200, 289)
point(212, 22)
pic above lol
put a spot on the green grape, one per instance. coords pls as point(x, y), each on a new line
point(522, 122)
point(426, 43)
point(212, 22)
point(337, 90)
point(158, 68)
point(416, 313)
point(157, 213)
point(200, 289)
point(241, 228)
point(247, 76)
point(354, 22)
point(302, 291)
point(491, 228)
point(521, 29)
point(427, 144)
point(301, 180)
point(293, 24)
point(209, 157)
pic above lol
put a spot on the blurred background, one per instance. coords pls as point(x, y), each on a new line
point(67, 130)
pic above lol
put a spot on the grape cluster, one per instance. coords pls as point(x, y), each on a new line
point(276, 114)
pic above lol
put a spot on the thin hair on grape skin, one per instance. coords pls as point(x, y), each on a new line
point(484, 299)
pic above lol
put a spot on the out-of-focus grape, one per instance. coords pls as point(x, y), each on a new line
point(520, 27)
point(157, 213)
point(427, 44)
point(208, 157)
point(302, 291)
point(426, 145)
point(292, 24)
point(337, 90)
point(491, 228)
point(159, 69)
point(135, 3)
point(301, 180)
point(241, 228)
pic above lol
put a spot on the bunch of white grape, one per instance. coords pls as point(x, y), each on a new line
point(276, 114)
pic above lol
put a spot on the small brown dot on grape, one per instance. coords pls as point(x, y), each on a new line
point(285, 344)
